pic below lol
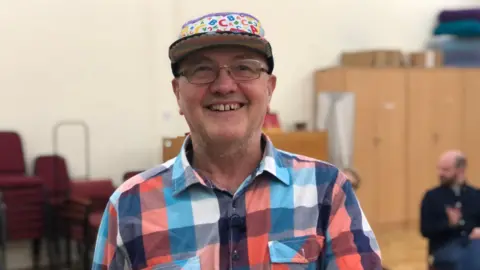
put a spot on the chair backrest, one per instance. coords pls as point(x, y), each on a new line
point(98, 191)
point(130, 174)
point(11, 154)
point(54, 172)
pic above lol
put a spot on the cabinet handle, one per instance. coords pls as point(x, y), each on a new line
point(435, 137)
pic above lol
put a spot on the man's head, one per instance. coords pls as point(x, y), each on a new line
point(353, 177)
point(451, 168)
point(222, 66)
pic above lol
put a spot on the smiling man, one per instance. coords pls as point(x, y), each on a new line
point(230, 199)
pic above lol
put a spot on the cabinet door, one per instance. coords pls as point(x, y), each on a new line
point(363, 84)
point(434, 125)
point(471, 129)
point(390, 118)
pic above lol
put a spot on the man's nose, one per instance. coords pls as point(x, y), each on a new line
point(224, 83)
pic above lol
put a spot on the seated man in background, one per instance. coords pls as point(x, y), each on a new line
point(353, 176)
point(450, 217)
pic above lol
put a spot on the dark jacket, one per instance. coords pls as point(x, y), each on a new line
point(434, 221)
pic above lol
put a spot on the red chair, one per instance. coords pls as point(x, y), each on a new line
point(97, 192)
point(130, 174)
point(23, 196)
point(63, 193)
point(54, 173)
point(74, 214)
point(11, 154)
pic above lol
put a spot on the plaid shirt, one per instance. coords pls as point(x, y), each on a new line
point(293, 212)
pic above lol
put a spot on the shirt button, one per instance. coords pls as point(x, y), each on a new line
point(235, 255)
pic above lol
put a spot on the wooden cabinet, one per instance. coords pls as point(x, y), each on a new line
point(380, 126)
point(435, 120)
point(405, 119)
point(311, 144)
point(471, 124)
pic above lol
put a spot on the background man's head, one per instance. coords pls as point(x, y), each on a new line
point(223, 82)
point(451, 168)
point(353, 177)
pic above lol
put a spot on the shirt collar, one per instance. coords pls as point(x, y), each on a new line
point(184, 175)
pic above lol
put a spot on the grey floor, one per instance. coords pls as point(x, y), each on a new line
point(19, 256)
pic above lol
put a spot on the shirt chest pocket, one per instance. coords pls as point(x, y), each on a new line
point(295, 253)
point(188, 264)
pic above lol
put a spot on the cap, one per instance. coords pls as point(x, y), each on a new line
point(218, 29)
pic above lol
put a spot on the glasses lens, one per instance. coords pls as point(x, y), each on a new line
point(244, 70)
point(241, 70)
point(202, 73)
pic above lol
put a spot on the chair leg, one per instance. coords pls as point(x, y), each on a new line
point(86, 256)
point(54, 259)
point(36, 244)
point(68, 251)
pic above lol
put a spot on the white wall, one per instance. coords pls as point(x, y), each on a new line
point(105, 62)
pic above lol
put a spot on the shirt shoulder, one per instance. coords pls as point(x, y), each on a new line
point(303, 168)
point(156, 177)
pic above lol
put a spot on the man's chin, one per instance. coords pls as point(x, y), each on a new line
point(226, 134)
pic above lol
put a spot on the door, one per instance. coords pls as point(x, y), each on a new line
point(434, 125)
point(391, 167)
point(363, 83)
point(471, 128)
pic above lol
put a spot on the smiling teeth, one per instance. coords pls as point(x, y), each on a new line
point(225, 107)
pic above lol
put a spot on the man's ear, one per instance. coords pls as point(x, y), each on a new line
point(175, 87)
point(176, 91)
point(271, 84)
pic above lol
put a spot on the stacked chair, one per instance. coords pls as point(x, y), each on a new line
point(76, 207)
point(24, 198)
point(48, 206)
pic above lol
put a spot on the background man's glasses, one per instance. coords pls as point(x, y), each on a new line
point(240, 70)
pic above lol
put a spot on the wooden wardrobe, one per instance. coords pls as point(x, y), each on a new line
point(405, 118)
point(380, 127)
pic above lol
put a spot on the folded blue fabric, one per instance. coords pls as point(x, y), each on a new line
point(459, 15)
point(463, 28)
point(457, 52)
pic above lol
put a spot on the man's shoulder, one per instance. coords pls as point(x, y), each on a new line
point(304, 166)
point(432, 192)
point(153, 178)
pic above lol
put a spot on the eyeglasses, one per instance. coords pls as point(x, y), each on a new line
point(239, 70)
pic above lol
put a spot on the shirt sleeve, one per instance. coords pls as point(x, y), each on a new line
point(350, 242)
point(108, 254)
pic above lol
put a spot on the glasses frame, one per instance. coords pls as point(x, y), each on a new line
point(259, 71)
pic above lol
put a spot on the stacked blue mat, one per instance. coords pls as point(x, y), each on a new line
point(457, 34)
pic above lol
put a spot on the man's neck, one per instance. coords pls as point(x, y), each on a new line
point(227, 166)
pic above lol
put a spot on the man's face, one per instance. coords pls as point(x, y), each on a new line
point(447, 173)
point(225, 109)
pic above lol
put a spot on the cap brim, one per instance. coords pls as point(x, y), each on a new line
point(185, 46)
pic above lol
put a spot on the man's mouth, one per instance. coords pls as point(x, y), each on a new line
point(225, 107)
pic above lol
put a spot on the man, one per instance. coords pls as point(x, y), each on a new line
point(450, 217)
point(230, 199)
point(353, 176)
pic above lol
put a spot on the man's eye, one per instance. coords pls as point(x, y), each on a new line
point(202, 68)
